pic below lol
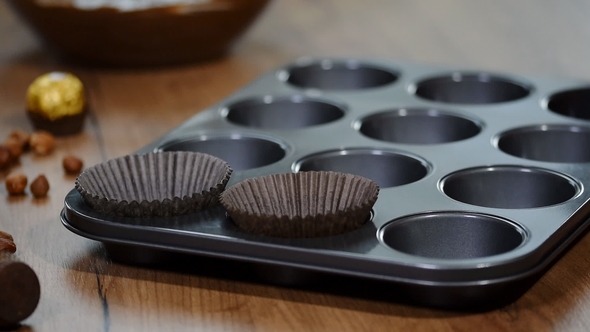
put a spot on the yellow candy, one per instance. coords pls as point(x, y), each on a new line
point(55, 95)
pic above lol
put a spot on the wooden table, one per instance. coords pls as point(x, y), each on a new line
point(82, 290)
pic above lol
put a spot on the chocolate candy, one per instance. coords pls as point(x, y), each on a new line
point(56, 102)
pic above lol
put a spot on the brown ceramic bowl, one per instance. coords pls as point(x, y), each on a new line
point(136, 34)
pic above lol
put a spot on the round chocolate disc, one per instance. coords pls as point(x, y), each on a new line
point(20, 291)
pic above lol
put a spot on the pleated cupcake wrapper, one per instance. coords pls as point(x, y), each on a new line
point(159, 184)
point(305, 204)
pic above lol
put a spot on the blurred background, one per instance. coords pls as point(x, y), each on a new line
point(545, 37)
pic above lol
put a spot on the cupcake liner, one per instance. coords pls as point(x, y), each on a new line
point(305, 204)
point(159, 184)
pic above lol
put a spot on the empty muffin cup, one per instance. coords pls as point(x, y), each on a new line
point(418, 126)
point(551, 143)
point(573, 103)
point(241, 151)
point(386, 168)
point(509, 187)
point(157, 184)
point(283, 112)
point(471, 88)
point(339, 75)
point(452, 235)
point(301, 205)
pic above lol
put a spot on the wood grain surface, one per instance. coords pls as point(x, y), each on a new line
point(82, 290)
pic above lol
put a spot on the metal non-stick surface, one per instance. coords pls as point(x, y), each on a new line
point(482, 175)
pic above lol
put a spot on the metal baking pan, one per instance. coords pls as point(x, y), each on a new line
point(483, 176)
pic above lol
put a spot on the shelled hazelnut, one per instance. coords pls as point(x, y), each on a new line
point(16, 184)
point(4, 157)
point(7, 245)
point(72, 165)
point(7, 242)
point(6, 236)
point(39, 187)
point(42, 142)
point(22, 136)
point(15, 147)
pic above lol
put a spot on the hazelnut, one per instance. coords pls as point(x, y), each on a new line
point(6, 236)
point(40, 186)
point(7, 242)
point(15, 147)
point(4, 157)
point(16, 184)
point(7, 245)
point(72, 165)
point(42, 142)
point(22, 136)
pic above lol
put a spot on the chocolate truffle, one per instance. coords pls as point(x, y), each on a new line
point(56, 102)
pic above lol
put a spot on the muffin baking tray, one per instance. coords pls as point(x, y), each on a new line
point(482, 176)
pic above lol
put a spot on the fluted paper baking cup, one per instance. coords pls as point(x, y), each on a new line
point(158, 184)
point(299, 205)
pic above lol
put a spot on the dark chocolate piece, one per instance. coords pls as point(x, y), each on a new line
point(20, 292)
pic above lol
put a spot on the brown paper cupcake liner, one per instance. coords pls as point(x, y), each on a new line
point(298, 205)
point(159, 184)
